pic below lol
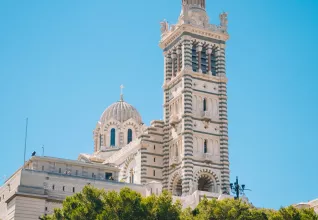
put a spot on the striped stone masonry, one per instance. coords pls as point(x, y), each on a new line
point(187, 137)
point(168, 67)
point(186, 53)
point(225, 173)
point(165, 147)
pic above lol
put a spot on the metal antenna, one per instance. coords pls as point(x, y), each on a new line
point(25, 140)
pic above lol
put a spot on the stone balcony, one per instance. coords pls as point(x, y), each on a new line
point(206, 157)
point(175, 160)
point(206, 115)
point(173, 120)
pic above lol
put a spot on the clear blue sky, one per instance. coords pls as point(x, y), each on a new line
point(61, 64)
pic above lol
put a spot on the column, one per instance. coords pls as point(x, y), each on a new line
point(187, 166)
point(173, 56)
point(209, 51)
point(187, 53)
point(166, 138)
point(221, 60)
point(224, 153)
point(179, 59)
point(199, 50)
point(168, 67)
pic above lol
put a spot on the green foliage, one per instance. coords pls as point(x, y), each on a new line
point(93, 204)
point(230, 209)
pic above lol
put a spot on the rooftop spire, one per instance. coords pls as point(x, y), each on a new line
point(198, 3)
point(121, 93)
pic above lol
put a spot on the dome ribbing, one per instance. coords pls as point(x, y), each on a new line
point(120, 111)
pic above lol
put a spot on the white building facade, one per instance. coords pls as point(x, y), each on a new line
point(186, 153)
point(308, 205)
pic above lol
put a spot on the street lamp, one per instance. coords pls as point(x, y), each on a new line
point(237, 189)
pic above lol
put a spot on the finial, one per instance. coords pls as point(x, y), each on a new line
point(121, 93)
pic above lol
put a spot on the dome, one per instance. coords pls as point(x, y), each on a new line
point(120, 111)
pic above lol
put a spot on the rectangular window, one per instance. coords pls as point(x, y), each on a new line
point(53, 187)
point(45, 208)
point(93, 175)
point(154, 147)
point(154, 173)
point(154, 159)
point(204, 62)
point(63, 188)
point(42, 168)
point(73, 189)
point(213, 64)
point(108, 176)
point(60, 170)
point(205, 146)
point(76, 172)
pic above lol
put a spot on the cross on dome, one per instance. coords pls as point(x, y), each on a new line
point(121, 92)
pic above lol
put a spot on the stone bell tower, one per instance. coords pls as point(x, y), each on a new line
point(195, 145)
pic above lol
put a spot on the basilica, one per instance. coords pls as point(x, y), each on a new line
point(186, 153)
point(188, 150)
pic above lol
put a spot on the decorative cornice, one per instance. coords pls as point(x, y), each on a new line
point(169, 38)
point(195, 75)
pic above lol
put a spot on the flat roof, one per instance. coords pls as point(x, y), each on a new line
point(75, 162)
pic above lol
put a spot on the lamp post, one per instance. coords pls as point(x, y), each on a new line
point(237, 189)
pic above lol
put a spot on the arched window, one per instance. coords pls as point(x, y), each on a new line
point(100, 141)
point(205, 146)
point(131, 177)
point(204, 104)
point(129, 136)
point(112, 137)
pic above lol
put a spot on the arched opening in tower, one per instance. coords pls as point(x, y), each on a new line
point(177, 188)
point(206, 183)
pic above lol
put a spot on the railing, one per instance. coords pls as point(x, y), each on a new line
point(70, 175)
point(127, 149)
